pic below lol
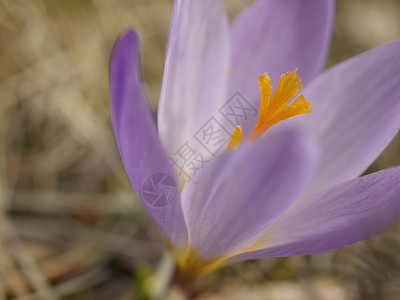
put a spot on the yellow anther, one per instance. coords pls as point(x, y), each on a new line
point(275, 109)
point(235, 138)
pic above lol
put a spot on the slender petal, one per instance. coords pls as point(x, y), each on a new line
point(196, 66)
point(275, 36)
point(344, 214)
point(356, 113)
point(240, 195)
point(138, 142)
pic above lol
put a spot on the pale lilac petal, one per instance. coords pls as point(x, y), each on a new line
point(137, 139)
point(196, 66)
point(344, 214)
point(240, 194)
point(275, 36)
point(356, 113)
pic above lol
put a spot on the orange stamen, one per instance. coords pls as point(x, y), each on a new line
point(275, 109)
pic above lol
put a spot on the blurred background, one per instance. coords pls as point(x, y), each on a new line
point(71, 225)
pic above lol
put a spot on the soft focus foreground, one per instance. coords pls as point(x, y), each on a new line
point(71, 224)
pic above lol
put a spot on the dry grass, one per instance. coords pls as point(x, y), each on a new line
point(71, 226)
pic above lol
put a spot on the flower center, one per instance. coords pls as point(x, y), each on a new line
point(274, 108)
point(191, 265)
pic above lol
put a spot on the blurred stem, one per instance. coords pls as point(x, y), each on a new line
point(186, 284)
point(163, 277)
point(169, 283)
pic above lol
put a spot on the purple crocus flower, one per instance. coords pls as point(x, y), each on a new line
point(291, 191)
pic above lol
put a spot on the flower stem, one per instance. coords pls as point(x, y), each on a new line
point(163, 276)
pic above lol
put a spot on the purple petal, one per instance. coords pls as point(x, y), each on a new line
point(344, 214)
point(240, 195)
point(144, 158)
point(356, 113)
point(196, 66)
point(275, 36)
